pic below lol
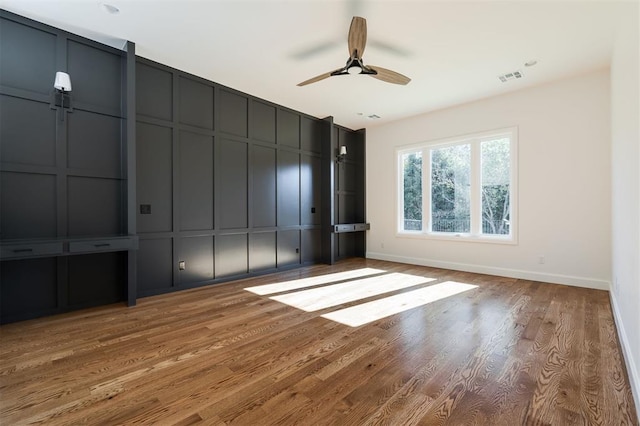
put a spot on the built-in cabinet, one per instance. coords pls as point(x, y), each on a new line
point(151, 180)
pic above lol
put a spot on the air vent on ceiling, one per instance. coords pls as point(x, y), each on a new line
point(510, 76)
point(373, 116)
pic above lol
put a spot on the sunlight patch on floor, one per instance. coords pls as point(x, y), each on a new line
point(371, 311)
point(263, 290)
point(337, 294)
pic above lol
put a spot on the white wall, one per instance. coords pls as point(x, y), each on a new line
point(564, 143)
point(625, 201)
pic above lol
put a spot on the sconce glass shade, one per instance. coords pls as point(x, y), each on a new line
point(62, 82)
point(343, 150)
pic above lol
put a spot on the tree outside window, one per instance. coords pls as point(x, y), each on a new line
point(496, 175)
point(450, 189)
point(412, 184)
point(464, 188)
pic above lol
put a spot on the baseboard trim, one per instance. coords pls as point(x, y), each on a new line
point(502, 272)
point(632, 371)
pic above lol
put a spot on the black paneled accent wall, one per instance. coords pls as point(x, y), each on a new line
point(343, 192)
point(228, 184)
point(349, 191)
point(152, 180)
point(63, 172)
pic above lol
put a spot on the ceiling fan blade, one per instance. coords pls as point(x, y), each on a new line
point(390, 48)
point(389, 76)
point(314, 50)
point(357, 36)
point(318, 78)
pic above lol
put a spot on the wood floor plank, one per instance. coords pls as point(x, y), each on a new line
point(507, 352)
point(617, 392)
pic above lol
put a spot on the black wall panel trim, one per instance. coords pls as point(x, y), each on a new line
point(154, 181)
point(310, 136)
point(90, 142)
point(232, 174)
point(155, 260)
point(196, 181)
point(311, 245)
point(96, 75)
point(288, 188)
point(231, 255)
point(27, 213)
point(28, 56)
point(263, 126)
point(264, 168)
point(262, 251)
point(196, 103)
point(94, 206)
point(310, 190)
point(289, 247)
point(233, 113)
point(27, 132)
point(235, 188)
point(197, 255)
point(288, 128)
point(154, 92)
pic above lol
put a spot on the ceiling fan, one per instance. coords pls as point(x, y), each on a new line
point(357, 40)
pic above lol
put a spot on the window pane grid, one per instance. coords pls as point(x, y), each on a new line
point(450, 189)
point(496, 188)
point(461, 189)
point(412, 191)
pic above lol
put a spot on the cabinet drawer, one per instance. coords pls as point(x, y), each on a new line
point(25, 250)
point(116, 244)
point(350, 227)
point(343, 228)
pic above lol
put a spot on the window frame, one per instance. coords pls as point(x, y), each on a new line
point(474, 140)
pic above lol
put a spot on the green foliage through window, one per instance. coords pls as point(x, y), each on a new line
point(496, 160)
point(450, 189)
point(469, 187)
point(412, 175)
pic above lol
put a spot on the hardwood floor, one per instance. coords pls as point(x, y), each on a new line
point(507, 352)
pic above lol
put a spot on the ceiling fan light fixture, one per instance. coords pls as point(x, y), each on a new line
point(355, 69)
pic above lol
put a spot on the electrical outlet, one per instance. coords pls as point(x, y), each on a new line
point(615, 285)
point(181, 265)
point(145, 208)
point(541, 260)
point(381, 245)
point(297, 250)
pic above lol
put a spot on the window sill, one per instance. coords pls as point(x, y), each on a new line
point(467, 238)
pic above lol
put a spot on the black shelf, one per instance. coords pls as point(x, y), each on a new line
point(351, 227)
point(20, 249)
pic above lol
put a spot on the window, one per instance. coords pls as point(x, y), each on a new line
point(462, 188)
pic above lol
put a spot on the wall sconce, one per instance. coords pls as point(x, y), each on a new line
point(62, 93)
point(62, 82)
point(342, 153)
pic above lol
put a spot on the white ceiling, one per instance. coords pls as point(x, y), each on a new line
point(452, 50)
